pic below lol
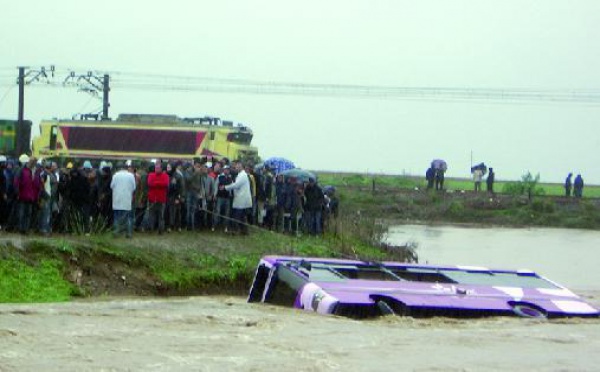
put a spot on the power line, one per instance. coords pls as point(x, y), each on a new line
point(89, 82)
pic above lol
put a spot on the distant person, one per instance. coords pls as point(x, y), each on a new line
point(123, 186)
point(477, 178)
point(490, 181)
point(430, 177)
point(439, 179)
point(568, 184)
point(578, 186)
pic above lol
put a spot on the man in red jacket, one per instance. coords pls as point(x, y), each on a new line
point(27, 186)
point(158, 185)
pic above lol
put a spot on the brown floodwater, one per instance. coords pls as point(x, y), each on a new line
point(214, 333)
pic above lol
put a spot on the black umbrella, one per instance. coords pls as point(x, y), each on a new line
point(301, 174)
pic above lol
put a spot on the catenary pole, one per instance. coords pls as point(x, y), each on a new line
point(20, 123)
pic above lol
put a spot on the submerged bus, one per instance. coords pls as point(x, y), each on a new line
point(141, 136)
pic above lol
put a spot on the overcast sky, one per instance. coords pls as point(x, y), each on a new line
point(538, 45)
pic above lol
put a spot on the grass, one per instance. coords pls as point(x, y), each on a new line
point(181, 263)
point(412, 182)
point(39, 282)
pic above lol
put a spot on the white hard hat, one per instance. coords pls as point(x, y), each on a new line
point(2, 158)
point(24, 158)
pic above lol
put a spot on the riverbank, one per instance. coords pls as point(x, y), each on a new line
point(405, 199)
point(61, 267)
point(57, 268)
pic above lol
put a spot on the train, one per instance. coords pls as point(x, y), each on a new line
point(14, 138)
point(144, 136)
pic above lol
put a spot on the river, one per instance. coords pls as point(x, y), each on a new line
point(216, 333)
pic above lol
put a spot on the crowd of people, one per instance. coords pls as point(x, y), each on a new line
point(161, 196)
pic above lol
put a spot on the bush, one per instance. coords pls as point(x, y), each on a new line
point(456, 209)
point(527, 186)
point(543, 206)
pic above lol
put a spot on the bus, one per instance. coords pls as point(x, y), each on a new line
point(143, 136)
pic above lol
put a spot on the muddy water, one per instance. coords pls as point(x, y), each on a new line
point(227, 334)
point(567, 256)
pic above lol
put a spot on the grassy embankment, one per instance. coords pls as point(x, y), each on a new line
point(36, 269)
point(405, 199)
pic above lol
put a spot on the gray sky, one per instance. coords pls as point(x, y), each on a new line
point(539, 45)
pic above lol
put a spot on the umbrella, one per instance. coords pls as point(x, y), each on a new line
point(439, 164)
point(480, 166)
point(301, 174)
point(329, 189)
point(279, 164)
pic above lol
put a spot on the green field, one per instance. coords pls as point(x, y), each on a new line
point(412, 182)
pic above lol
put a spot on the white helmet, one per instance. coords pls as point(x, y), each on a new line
point(2, 159)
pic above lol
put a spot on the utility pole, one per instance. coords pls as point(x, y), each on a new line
point(20, 124)
point(92, 84)
point(105, 103)
point(23, 130)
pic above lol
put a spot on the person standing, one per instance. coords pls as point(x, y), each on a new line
point(578, 186)
point(439, 179)
point(568, 185)
point(242, 198)
point(490, 181)
point(123, 186)
point(315, 200)
point(4, 211)
point(223, 199)
point(78, 195)
point(477, 177)
point(48, 197)
point(158, 185)
point(176, 196)
point(193, 189)
point(27, 186)
point(430, 177)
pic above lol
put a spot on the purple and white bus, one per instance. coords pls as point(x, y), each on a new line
point(361, 289)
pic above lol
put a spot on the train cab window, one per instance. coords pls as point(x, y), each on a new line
point(241, 138)
point(53, 134)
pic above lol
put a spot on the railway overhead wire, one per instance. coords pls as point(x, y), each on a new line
point(155, 82)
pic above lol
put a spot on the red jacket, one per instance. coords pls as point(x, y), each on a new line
point(27, 184)
point(158, 185)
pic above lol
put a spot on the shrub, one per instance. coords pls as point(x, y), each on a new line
point(543, 206)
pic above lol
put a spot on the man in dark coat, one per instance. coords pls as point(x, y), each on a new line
point(578, 186)
point(313, 206)
point(568, 185)
point(490, 181)
point(79, 195)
